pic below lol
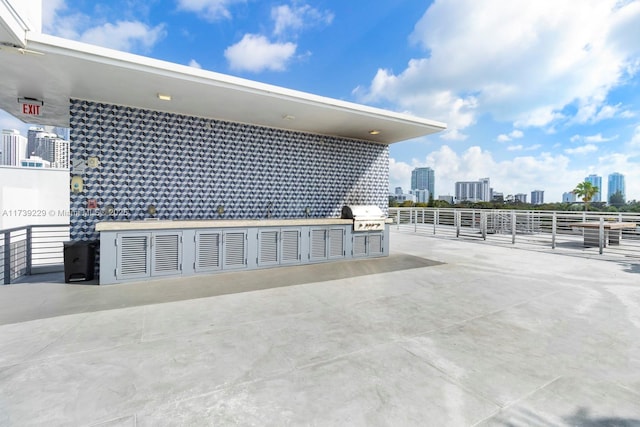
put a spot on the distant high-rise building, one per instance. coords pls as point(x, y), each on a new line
point(31, 143)
point(423, 179)
point(48, 146)
point(486, 189)
point(422, 196)
point(616, 184)
point(537, 197)
point(60, 132)
point(569, 197)
point(59, 153)
point(596, 181)
point(520, 197)
point(398, 190)
point(13, 147)
point(473, 191)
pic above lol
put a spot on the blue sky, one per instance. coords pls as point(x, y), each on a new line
point(537, 95)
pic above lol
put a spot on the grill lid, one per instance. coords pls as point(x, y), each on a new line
point(360, 212)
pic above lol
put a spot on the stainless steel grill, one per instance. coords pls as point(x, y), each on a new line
point(365, 217)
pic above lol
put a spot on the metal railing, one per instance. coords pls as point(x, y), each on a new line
point(31, 249)
point(556, 230)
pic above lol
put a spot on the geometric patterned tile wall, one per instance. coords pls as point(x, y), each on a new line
point(188, 166)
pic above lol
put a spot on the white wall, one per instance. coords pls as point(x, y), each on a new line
point(33, 196)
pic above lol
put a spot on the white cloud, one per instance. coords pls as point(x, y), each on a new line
point(538, 117)
point(593, 139)
point(400, 172)
point(471, 165)
point(520, 147)
point(294, 18)
point(523, 62)
point(195, 64)
point(50, 10)
point(583, 149)
point(607, 112)
point(210, 10)
point(453, 135)
point(256, 53)
point(458, 111)
point(124, 35)
point(62, 25)
point(599, 138)
point(515, 134)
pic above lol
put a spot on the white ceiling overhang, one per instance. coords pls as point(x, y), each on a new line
point(56, 70)
point(13, 28)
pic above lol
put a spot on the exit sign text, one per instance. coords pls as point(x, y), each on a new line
point(31, 109)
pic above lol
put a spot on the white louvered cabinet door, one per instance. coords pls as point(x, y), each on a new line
point(133, 257)
point(268, 247)
point(208, 251)
point(290, 243)
point(166, 249)
point(234, 243)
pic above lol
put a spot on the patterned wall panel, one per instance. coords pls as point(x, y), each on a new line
point(188, 166)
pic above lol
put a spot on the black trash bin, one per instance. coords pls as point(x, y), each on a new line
point(79, 260)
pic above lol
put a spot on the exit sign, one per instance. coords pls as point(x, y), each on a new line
point(31, 109)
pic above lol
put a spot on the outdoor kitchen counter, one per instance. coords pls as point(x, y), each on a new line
point(147, 249)
point(215, 223)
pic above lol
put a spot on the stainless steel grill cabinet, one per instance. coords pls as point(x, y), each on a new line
point(365, 217)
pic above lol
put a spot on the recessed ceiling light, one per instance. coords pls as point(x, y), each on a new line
point(374, 132)
point(164, 97)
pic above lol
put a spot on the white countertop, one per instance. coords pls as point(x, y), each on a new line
point(214, 223)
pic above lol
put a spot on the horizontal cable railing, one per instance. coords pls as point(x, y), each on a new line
point(31, 249)
point(615, 234)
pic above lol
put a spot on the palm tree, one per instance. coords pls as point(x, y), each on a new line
point(586, 191)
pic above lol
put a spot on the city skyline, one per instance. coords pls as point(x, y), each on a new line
point(45, 144)
point(615, 182)
point(530, 91)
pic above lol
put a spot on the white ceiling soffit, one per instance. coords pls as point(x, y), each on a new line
point(12, 26)
point(55, 70)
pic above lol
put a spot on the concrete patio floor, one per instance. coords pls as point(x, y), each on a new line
point(442, 333)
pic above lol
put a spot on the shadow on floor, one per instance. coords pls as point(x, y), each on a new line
point(571, 245)
point(51, 297)
point(517, 417)
point(56, 277)
point(631, 268)
point(583, 419)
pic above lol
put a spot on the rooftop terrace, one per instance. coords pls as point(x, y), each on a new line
point(443, 332)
